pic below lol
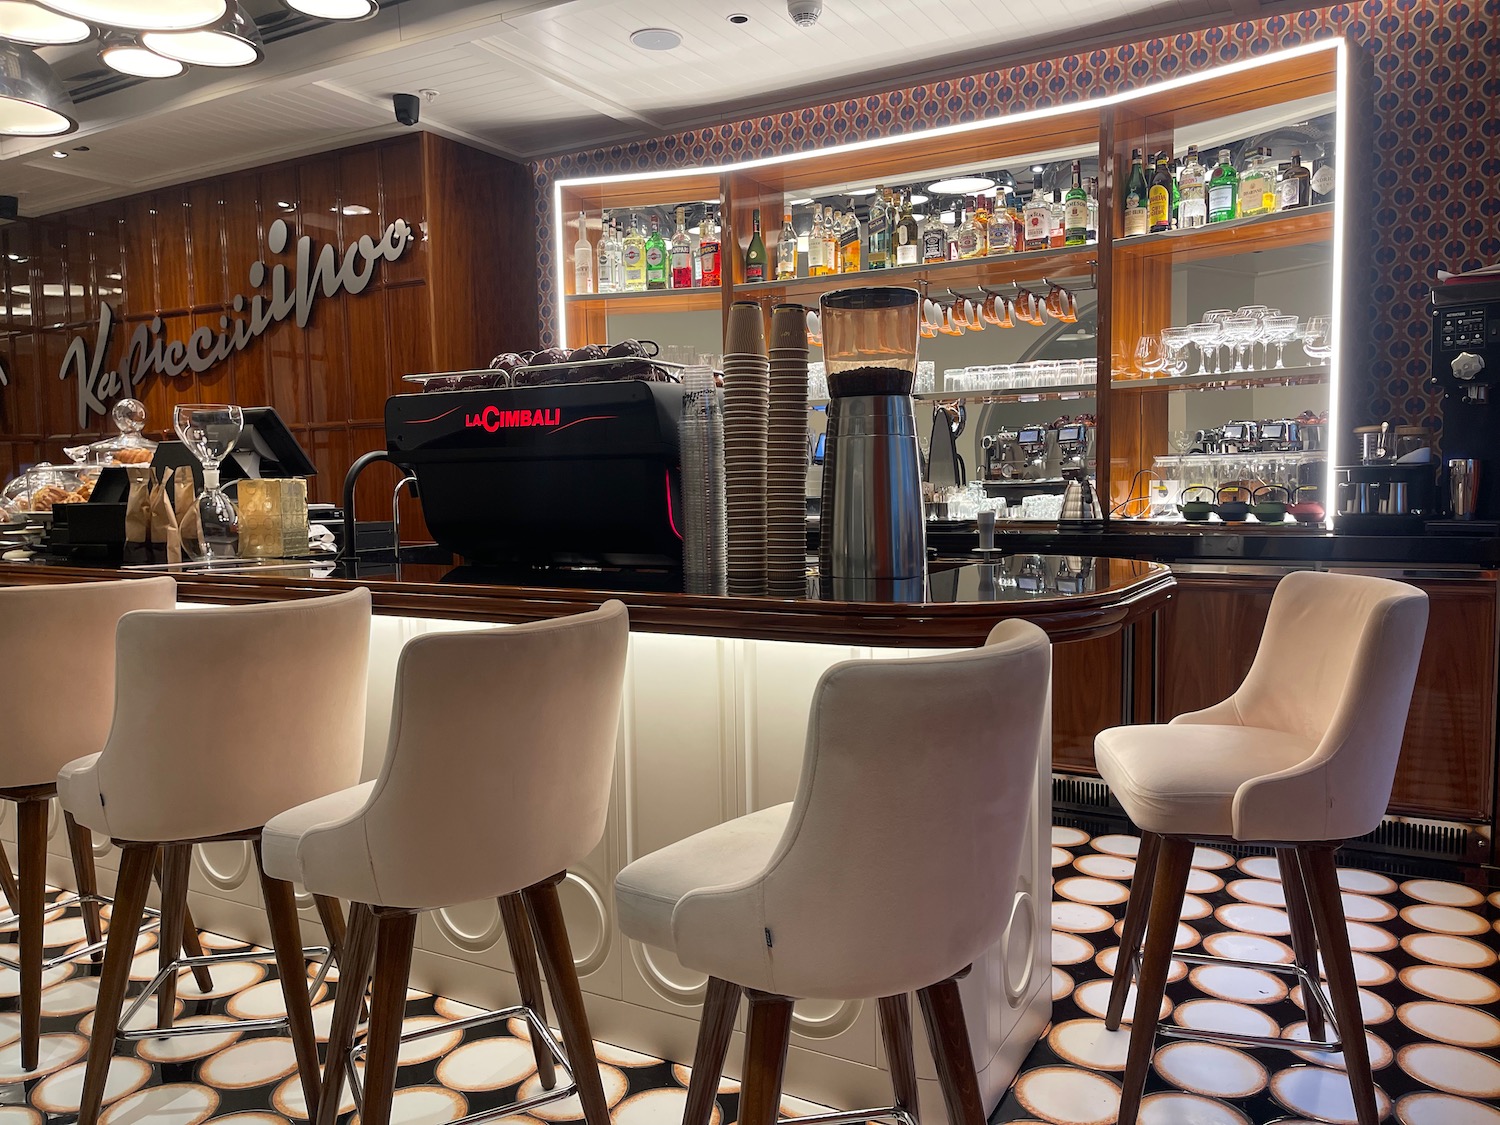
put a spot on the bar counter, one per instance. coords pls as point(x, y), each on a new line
point(713, 726)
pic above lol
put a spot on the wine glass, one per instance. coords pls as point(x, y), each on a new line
point(1148, 356)
point(1279, 330)
point(1205, 333)
point(1174, 342)
point(1239, 333)
point(1317, 339)
point(210, 432)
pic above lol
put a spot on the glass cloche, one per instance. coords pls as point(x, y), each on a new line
point(129, 446)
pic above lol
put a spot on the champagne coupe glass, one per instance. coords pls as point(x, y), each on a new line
point(1279, 330)
point(1219, 316)
point(210, 432)
point(1239, 333)
point(1205, 333)
point(1259, 312)
point(1148, 357)
point(1174, 342)
point(1317, 339)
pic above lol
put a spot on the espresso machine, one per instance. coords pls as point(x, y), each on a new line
point(1002, 458)
point(1465, 351)
point(1073, 441)
point(872, 542)
point(1036, 444)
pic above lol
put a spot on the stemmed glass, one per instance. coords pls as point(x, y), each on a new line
point(1148, 356)
point(1239, 333)
point(1219, 316)
point(210, 432)
point(1279, 330)
point(1174, 342)
point(1317, 339)
point(1205, 333)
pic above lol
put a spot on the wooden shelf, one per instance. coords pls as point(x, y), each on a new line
point(1233, 380)
point(1066, 264)
point(649, 301)
point(1237, 236)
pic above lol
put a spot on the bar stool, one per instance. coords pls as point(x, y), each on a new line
point(891, 871)
point(497, 779)
point(57, 698)
point(1301, 758)
point(224, 717)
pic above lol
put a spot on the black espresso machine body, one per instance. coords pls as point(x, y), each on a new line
point(1465, 351)
point(574, 474)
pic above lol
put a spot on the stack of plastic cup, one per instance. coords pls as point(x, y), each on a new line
point(747, 374)
point(701, 434)
point(786, 455)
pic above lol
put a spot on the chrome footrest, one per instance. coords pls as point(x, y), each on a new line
point(852, 1116)
point(564, 1089)
point(311, 953)
point(151, 920)
point(1310, 988)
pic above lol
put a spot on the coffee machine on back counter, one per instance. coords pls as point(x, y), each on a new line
point(1465, 353)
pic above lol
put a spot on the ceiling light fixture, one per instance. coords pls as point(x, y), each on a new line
point(33, 102)
point(961, 185)
point(59, 154)
point(123, 51)
point(143, 15)
point(739, 18)
point(24, 22)
point(334, 9)
point(916, 198)
point(656, 39)
point(232, 41)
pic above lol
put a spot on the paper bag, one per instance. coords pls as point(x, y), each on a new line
point(138, 504)
point(163, 528)
point(185, 501)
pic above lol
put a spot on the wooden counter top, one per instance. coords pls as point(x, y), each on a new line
point(1109, 593)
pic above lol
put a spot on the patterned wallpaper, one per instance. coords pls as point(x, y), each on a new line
point(1435, 164)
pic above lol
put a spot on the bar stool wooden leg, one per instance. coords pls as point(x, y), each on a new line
point(1137, 910)
point(331, 915)
point(895, 1034)
point(567, 998)
point(766, 1042)
point(81, 848)
point(1333, 938)
point(357, 951)
point(286, 943)
point(948, 1036)
point(186, 934)
point(1174, 865)
point(173, 877)
point(522, 943)
point(31, 832)
point(1304, 934)
point(8, 883)
point(136, 864)
point(721, 1003)
point(395, 933)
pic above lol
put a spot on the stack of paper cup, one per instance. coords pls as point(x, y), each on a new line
point(786, 455)
point(746, 393)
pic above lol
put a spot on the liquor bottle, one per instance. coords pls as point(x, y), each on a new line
point(817, 256)
point(952, 248)
point(1295, 188)
point(850, 240)
point(1159, 195)
point(1137, 192)
point(634, 257)
point(1322, 179)
point(680, 255)
point(1258, 184)
point(1093, 228)
point(934, 237)
point(709, 253)
point(656, 256)
point(1038, 219)
point(1192, 192)
point(1076, 211)
point(878, 228)
point(908, 237)
point(617, 256)
point(1055, 237)
point(983, 216)
point(832, 224)
point(694, 255)
point(1004, 228)
point(1223, 190)
point(583, 259)
point(755, 253)
point(606, 277)
point(786, 249)
point(970, 233)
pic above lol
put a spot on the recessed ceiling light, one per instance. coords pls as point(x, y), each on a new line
point(22, 22)
point(961, 185)
point(1038, 167)
point(739, 17)
point(232, 41)
point(863, 191)
point(335, 9)
point(656, 39)
point(59, 154)
point(33, 102)
point(144, 15)
point(948, 217)
point(285, 206)
point(916, 198)
point(123, 52)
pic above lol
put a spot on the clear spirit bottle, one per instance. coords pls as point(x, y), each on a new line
point(634, 257)
point(583, 259)
point(1192, 192)
point(786, 249)
point(603, 267)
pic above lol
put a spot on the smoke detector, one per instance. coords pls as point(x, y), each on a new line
point(804, 13)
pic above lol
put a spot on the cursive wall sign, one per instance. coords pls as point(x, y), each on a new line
point(294, 291)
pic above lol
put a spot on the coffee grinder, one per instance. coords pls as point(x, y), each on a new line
point(873, 542)
point(1465, 351)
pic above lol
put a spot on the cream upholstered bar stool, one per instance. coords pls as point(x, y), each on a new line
point(60, 635)
point(1300, 758)
point(496, 781)
point(891, 871)
point(198, 752)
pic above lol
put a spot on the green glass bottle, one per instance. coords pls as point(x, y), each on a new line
point(1076, 211)
point(1223, 190)
point(656, 256)
point(755, 253)
point(1137, 192)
